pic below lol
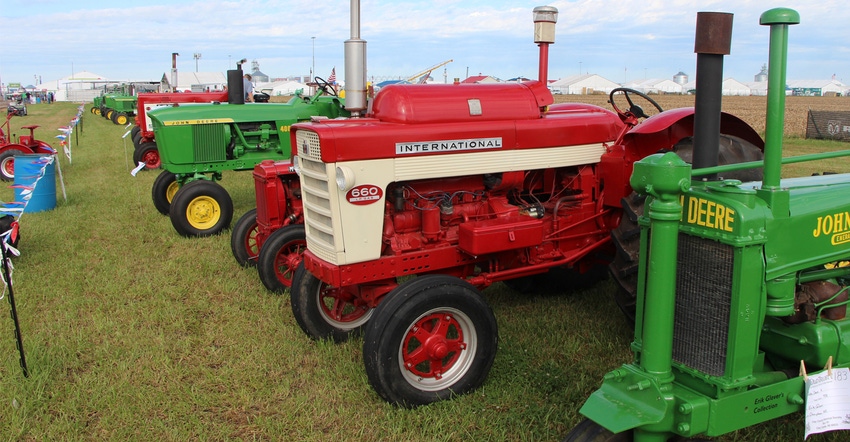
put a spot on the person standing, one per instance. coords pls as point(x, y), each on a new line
point(248, 87)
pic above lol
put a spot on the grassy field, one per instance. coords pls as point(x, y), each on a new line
point(132, 332)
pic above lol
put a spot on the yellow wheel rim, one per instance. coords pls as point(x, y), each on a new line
point(171, 191)
point(203, 213)
point(121, 119)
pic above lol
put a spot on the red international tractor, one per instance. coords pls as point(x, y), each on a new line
point(435, 192)
point(10, 145)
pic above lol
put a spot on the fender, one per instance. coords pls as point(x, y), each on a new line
point(667, 128)
point(657, 133)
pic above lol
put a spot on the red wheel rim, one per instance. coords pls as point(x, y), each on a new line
point(9, 166)
point(433, 345)
point(340, 307)
point(251, 243)
point(287, 259)
point(151, 159)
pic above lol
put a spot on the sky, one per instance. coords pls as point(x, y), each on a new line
point(623, 41)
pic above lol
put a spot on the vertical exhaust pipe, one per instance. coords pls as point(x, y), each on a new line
point(355, 65)
point(174, 71)
point(545, 18)
point(713, 41)
point(235, 86)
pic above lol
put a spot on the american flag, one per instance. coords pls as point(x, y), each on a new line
point(332, 78)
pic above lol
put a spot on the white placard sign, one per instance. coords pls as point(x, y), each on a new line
point(828, 401)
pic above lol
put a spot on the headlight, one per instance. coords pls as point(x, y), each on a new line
point(344, 178)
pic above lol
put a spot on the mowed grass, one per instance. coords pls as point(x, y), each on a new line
point(132, 332)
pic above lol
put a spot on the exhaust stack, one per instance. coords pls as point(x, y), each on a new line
point(174, 71)
point(355, 65)
point(545, 18)
point(713, 41)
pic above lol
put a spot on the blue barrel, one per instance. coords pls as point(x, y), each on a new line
point(28, 169)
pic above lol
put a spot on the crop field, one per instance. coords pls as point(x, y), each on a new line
point(132, 332)
point(749, 108)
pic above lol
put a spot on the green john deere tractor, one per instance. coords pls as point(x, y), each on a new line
point(747, 282)
point(197, 143)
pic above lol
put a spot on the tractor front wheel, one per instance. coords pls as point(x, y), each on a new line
point(431, 338)
point(243, 239)
point(201, 208)
point(165, 186)
point(149, 154)
point(323, 311)
point(589, 431)
point(280, 256)
point(120, 118)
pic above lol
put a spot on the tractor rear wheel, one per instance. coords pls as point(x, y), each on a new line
point(149, 154)
point(7, 165)
point(243, 239)
point(165, 186)
point(280, 256)
point(201, 208)
point(431, 338)
point(323, 311)
point(626, 237)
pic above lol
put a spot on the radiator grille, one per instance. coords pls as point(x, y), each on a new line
point(210, 142)
point(703, 302)
point(318, 217)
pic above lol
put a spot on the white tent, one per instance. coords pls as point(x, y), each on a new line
point(279, 88)
point(79, 87)
point(194, 81)
point(655, 86)
point(817, 88)
point(582, 84)
point(730, 87)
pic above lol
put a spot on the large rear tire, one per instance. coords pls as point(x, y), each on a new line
point(626, 237)
point(7, 165)
point(431, 338)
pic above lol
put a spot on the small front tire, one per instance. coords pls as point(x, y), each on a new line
point(280, 256)
point(201, 208)
point(243, 239)
point(165, 186)
point(323, 311)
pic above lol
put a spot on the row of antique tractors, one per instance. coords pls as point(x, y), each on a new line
point(403, 212)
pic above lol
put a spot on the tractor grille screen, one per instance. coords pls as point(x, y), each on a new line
point(703, 297)
point(209, 142)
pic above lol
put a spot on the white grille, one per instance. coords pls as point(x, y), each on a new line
point(318, 217)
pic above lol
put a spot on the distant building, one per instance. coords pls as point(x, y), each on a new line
point(655, 86)
point(256, 75)
point(681, 78)
point(194, 82)
point(817, 88)
point(730, 87)
point(761, 76)
point(480, 79)
point(582, 85)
